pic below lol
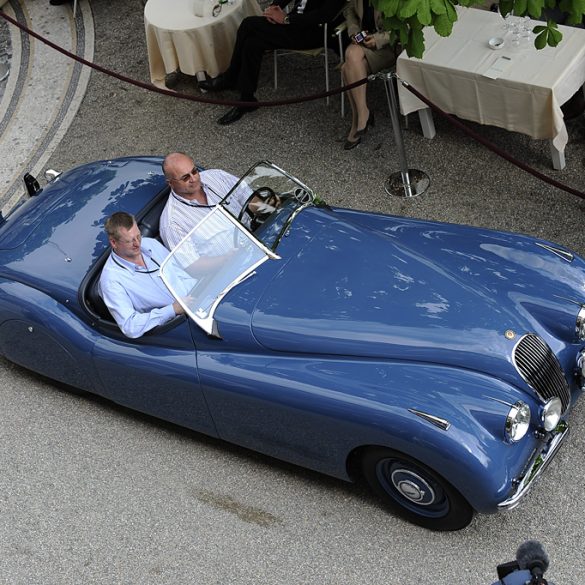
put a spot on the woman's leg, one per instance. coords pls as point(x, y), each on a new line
point(355, 68)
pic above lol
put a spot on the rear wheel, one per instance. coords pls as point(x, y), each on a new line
point(415, 491)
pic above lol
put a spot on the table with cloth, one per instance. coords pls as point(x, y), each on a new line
point(526, 97)
point(184, 35)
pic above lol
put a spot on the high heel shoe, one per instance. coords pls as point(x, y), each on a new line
point(349, 144)
point(371, 122)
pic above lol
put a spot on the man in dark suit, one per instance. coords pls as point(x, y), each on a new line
point(275, 29)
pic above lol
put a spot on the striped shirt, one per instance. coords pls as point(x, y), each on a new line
point(180, 215)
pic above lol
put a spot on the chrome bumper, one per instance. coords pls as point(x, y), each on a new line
point(539, 463)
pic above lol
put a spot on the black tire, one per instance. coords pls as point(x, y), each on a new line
point(414, 491)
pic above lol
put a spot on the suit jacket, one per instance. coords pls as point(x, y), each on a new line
point(316, 12)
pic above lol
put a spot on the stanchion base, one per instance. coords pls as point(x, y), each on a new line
point(419, 183)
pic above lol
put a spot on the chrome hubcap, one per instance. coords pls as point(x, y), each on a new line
point(413, 487)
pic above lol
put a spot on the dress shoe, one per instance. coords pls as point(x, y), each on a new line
point(218, 83)
point(235, 114)
point(360, 134)
point(58, 2)
point(371, 122)
point(349, 144)
point(172, 79)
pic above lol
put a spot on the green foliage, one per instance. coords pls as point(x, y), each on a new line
point(406, 19)
point(547, 35)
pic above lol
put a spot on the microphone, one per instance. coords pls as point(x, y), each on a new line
point(532, 556)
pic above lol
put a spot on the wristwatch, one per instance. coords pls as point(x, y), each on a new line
point(286, 19)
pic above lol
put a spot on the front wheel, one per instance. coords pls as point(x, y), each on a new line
point(415, 491)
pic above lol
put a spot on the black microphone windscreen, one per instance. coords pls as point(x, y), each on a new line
point(531, 554)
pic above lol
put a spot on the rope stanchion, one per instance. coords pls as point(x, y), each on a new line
point(193, 98)
point(407, 182)
point(490, 145)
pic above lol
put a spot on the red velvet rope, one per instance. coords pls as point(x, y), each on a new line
point(490, 145)
point(193, 98)
point(295, 100)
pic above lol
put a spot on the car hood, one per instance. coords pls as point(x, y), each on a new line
point(410, 290)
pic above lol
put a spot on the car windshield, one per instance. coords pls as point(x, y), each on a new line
point(222, 249)
point(216, 255)
point(273, 199)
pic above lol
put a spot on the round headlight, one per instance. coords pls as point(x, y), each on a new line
point(580, 324)
point(551, 413)
point(581, 368)
point(517, 421)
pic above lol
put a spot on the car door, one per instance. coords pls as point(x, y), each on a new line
point(155, 374)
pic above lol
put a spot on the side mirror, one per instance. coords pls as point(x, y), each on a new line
point(32, 185)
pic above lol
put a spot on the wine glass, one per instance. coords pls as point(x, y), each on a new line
point(526, 31)
point(507, 24)
point(516, 30)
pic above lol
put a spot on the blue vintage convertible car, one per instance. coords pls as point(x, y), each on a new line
point(439, 362)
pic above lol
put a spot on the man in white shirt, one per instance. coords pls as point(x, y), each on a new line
point(130, 283)
point(193, 195)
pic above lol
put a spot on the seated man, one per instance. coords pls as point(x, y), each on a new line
point(193, 195)
point(130, 283)
point(300, 29)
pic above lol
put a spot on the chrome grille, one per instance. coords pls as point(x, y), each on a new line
point(541, 369)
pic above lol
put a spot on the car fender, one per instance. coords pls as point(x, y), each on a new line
point(319, 412)
point(42, 335)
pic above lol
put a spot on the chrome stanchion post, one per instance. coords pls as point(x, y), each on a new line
point(407, 182)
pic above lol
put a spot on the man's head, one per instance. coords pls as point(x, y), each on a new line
point(182, 175)
point(124, 235)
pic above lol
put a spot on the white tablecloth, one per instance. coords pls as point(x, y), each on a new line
point(183, 34)
point(526, 98)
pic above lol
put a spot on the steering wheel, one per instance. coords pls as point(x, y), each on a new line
point(261, 203)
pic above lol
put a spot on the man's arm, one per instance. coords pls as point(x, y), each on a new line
point(131, 322)
point(320, 11)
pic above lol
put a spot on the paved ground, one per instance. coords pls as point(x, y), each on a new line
point(90, 493)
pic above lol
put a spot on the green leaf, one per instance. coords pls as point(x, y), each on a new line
point(554, 37)
point(520, 7)
point(506, 6)
point(438, 6)
point(424, 12)
point(451, 12)
point(539, 29)
point(535, 8)
point(443, 26)
point(409, 8)
point(417, 43)
point(540, 40)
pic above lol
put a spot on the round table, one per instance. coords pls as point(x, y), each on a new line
point(184, 35)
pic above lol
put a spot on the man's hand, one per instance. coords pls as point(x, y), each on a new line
point(275, 14)
point(178, 308)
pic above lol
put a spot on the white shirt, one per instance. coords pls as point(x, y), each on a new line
point(181, 215)
point(136, 295)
